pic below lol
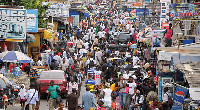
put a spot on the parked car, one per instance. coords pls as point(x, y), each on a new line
point(57, 76)
point(8, 88)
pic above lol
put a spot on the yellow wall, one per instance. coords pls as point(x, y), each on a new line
point(34, 44)
point(55, 25)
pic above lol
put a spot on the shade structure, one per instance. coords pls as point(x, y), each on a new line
point(15, 56)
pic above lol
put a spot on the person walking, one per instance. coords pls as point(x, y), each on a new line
point(107, 92)
point(90, 83)
point(168, 36)
point(88, 100)
point(132, 89)
point(137, 101)
point(72, 100)
point(70, 85)
point(3, 100)
point(52, 95)
point(61, 106)
point(22, 95)
point(33, 99)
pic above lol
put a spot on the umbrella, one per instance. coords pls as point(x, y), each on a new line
point(15, 56)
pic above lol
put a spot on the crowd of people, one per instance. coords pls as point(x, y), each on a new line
point(117, 79)
point(111, 83)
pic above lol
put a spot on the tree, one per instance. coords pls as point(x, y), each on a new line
point(33, 4)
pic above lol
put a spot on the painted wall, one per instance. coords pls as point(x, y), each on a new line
point(34, 44)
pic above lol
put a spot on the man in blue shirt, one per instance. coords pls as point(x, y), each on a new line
point(88, 100)
point(90, 83)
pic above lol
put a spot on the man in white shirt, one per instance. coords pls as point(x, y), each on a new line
point(100, 34)
point(39, 62)
point(2, 71)
point(166, 95)
point(135, 60)
point(91, 59)
point(132, 30)
point(98, 55)
point(63, 66)
point(132, 89)
point(86, 45)
point(86, 37)
point(58, 59)
point(137, 101)
point(126, 76)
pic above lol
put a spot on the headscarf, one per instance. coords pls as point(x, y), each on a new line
point(22, 92)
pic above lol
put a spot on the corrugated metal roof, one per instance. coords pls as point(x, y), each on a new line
point(192, 73)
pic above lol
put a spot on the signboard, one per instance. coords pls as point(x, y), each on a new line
point(75, 20)
point(164, 16)
point(180, 94)
point(35, 50)
point(166, 56)
point(13, 24)
point(184, 11)
point(140, 12)
point(32, 20)
point(58, 10)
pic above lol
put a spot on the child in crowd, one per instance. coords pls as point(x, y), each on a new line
point(58, 99)
point(22, 95)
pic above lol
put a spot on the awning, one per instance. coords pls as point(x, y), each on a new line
point(166, 55)
point(31, 38)
point(185, 58)
point(194, 93)
point(11, 40)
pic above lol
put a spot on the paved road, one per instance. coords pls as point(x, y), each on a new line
point(44, 104)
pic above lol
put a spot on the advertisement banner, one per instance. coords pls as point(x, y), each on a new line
point(32, 20)
point(191, 11)
point(180, 94)
point(140, 12)
point(58, 10)
point(75, 20)
point(164, 16)
point(13, 23)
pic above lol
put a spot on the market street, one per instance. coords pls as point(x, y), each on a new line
point(100, 54)
point(43, 103)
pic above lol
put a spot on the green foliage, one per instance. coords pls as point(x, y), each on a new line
point(35, 4)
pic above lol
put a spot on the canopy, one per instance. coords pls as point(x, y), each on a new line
point(15, 56)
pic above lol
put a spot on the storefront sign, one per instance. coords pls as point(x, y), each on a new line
point(180, 94)
point(32, 20)
point(185, 14)
point(186, 11)
point(13, 24)
point(140, 12)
